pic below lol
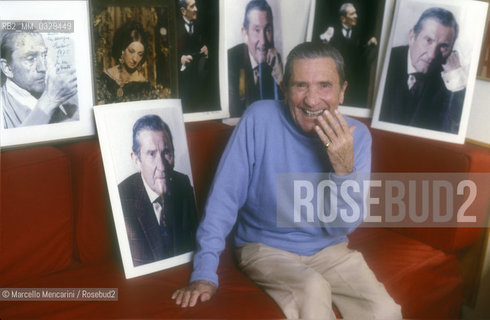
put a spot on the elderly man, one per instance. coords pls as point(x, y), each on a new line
point(346, 37)
point(32, 93)
point(303, 268)
point(425, 84)
point(157, 202)
point(193, 56)
point(255, 66)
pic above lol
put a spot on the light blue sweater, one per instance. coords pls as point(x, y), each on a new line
point(266, 143)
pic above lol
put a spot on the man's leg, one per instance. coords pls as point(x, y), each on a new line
point(300, 291)
point(355, 290)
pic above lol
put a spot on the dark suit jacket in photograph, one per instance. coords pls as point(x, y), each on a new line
point(242, 88)
point(356, 66)
point(144, 233)
point(431, 106)
point(192, 81)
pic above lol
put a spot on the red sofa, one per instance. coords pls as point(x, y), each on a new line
point(56, 231)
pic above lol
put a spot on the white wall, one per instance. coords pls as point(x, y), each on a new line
point(479, 123)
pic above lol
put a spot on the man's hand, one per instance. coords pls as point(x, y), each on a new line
point(60, 86)
point(190, 294)
point(274, 60)
point(327, 35)
point(452, 62)
point(185, 59)
point(372, 41)
point(334, 132)
point(204, 51)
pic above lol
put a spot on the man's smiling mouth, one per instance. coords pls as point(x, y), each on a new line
point(313, 113)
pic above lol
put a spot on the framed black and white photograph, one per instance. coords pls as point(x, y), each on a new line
point(430, 67)
point(258, 36)
point(46, 74)
point(148, 174)
point(354, 28)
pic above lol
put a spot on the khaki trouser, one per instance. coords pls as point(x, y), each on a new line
point(305, 287)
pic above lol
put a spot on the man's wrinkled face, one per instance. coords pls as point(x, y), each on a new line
point(156, 159)
point(28, 63)
point(314, 87)
point(259, 36)
point(190, 12)
point(431, 46)
point(350, 18)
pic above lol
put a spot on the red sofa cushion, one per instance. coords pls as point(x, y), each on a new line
point(424, 280)
point(145, 297)
point(95, 240)
point(36, 221)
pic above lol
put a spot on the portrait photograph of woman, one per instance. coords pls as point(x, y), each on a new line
point(126, 78)
point(132, 52)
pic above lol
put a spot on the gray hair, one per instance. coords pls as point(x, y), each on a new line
point(312, 50)
point(343, 8)
point(443, 16)
point(182, 4)
point(150, 122)
point(260, 5)
point(7, 45)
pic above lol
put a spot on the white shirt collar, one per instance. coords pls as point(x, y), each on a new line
point(21, 95)
point(410, 67)
point(153, 196)
point(252, 59)
point(187, 24)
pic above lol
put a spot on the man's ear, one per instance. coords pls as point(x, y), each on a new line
point(136, 161)
point(342, 92)
point(411, 37)
point(182, 10)
point(244, 35)
point(284, 92)
point(6, 68)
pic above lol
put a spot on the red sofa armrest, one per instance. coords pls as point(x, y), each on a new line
point(401, 153)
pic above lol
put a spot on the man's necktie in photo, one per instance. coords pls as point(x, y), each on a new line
point(190, 27)
point(413, 82)
point(163, 224)
point(261, 74)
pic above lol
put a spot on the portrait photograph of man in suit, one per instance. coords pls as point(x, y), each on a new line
point(197, 54)
point(255, 67)
point(157, 201)
point(350, 26)
point(426, 80)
